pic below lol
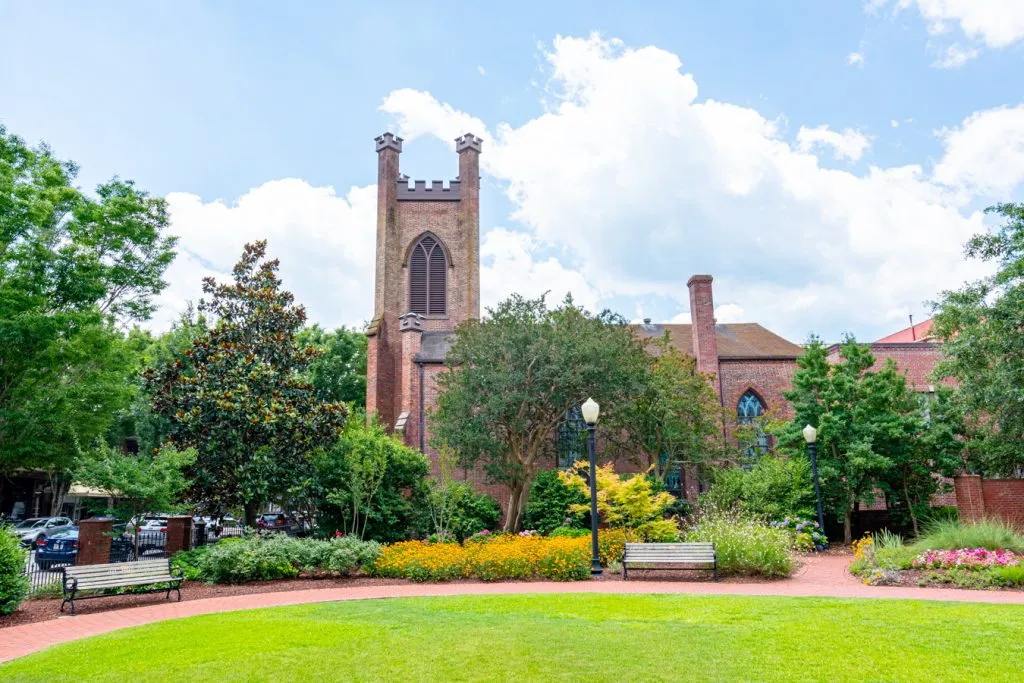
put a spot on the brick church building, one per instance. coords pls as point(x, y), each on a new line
point(428, 281)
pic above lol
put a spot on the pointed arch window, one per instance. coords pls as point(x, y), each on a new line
point(428, 277)
point(748, 411)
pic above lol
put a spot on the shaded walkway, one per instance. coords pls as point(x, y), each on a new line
point(818, 577)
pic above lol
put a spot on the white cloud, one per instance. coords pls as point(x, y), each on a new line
point(894, 123)
point(325, 243)
point(847, 144)
point(639, 183)
point(855, 59)
point(955, 56)
point(986, 153)
point(994, 23)
point(480, 70)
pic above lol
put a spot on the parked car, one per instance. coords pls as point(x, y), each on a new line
point(31, 531)
point(274, 521)
point(61, 549)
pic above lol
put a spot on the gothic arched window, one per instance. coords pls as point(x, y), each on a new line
point(748, 410)
point(428, 277)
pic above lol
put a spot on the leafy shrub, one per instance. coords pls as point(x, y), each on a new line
point(880, 576)
point(473, 512)
point(807, 536)
point(774, 488)
point(14, 584)
point(281, 557)
point(743, 544)
point(882, 551)
point(569, 532)
point(625, 502)
point(990, 534)
point(191, 562)
point(611, 544)
point(549, 503)
point(1008, 575)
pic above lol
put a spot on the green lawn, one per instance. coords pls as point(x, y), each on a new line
point(569, 637)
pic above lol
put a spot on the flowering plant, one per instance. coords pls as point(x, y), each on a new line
point(807, 535)
point(481, 536)
point(966, 558)
point(529, 532)
point(441, 537)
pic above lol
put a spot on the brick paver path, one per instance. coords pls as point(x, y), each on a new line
point(819, 577)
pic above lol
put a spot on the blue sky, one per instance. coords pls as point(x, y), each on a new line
point(609, 169)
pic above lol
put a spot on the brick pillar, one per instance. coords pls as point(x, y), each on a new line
point(179, 534)
point(469, 147)
point(969, 497)
point(411, 326)
point(94, 541)
point(702, 322)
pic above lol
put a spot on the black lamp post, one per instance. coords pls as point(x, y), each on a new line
point(811, 437)
point(590, 411)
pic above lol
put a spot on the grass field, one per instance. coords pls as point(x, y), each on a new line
point(567, 637)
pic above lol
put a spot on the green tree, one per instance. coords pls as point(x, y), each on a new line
point(675, 419)
point(774, 488)
point(339, 372)
point(141, 483)
point(867, 423)
point(983, 347)
point(513, 376)
point(71, 266)
point(236, 397)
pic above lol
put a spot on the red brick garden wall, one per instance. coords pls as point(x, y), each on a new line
point(978, 498)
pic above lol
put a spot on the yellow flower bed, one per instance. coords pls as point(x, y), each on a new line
point(500, 558)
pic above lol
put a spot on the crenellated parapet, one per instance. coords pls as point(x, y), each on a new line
point(419, 191)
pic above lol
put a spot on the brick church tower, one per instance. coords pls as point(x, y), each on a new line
point(427, 277)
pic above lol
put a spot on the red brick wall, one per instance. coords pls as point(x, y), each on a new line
point(916, 359)
point(978, 498)
point(179, 534)
point(768, 378)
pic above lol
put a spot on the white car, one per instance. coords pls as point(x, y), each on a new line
point(32, 530)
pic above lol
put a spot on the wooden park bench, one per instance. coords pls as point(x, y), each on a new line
point(695, 556)
point(89, 577)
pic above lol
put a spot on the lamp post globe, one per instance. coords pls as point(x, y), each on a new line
point(590, 411)
point(811, 437)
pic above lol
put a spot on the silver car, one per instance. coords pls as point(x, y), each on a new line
point(32, 530)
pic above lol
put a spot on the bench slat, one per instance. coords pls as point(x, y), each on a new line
point(131, 582)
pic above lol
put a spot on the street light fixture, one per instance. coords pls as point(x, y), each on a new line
point(590, 410)
point(811, 437)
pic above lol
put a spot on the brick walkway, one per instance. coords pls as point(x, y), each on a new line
point(819, 577)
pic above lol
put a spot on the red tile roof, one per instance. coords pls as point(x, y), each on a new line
point(735, 340)
point(921, 332)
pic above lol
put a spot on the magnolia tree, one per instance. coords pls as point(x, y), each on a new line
point(238, 396)
point(515, 374)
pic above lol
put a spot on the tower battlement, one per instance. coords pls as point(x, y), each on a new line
point(419, 191)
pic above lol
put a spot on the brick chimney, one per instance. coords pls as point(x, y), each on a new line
point(702, 319)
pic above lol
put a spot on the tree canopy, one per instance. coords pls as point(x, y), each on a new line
point(982, 328)
point(514, 375)
point(236, 394)
point(339, 372)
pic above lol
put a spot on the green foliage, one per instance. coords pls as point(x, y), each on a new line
point(983, 348)
point(191, 562)
point(339, 372)
point(743, 544)
point(774, 488)
point(569, 532)
point(142, 483)
point(625, 502)
point(278, 556)
point(1009, 575)
point(873, 432)
point(473, 512)
point(674, 420)
point(370, 484)
point(236, 395)
point(14, 583)
point(991, 534)
point(549, 503)
point(71, 267)
point(513, 376)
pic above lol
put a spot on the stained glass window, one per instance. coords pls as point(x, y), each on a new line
point(748, 410)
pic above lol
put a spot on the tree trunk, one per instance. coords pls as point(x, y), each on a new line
point(251, 509)
point(514, 513)
point(910, 508)
point(848, 525)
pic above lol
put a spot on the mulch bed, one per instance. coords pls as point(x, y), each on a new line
point(45, 609)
